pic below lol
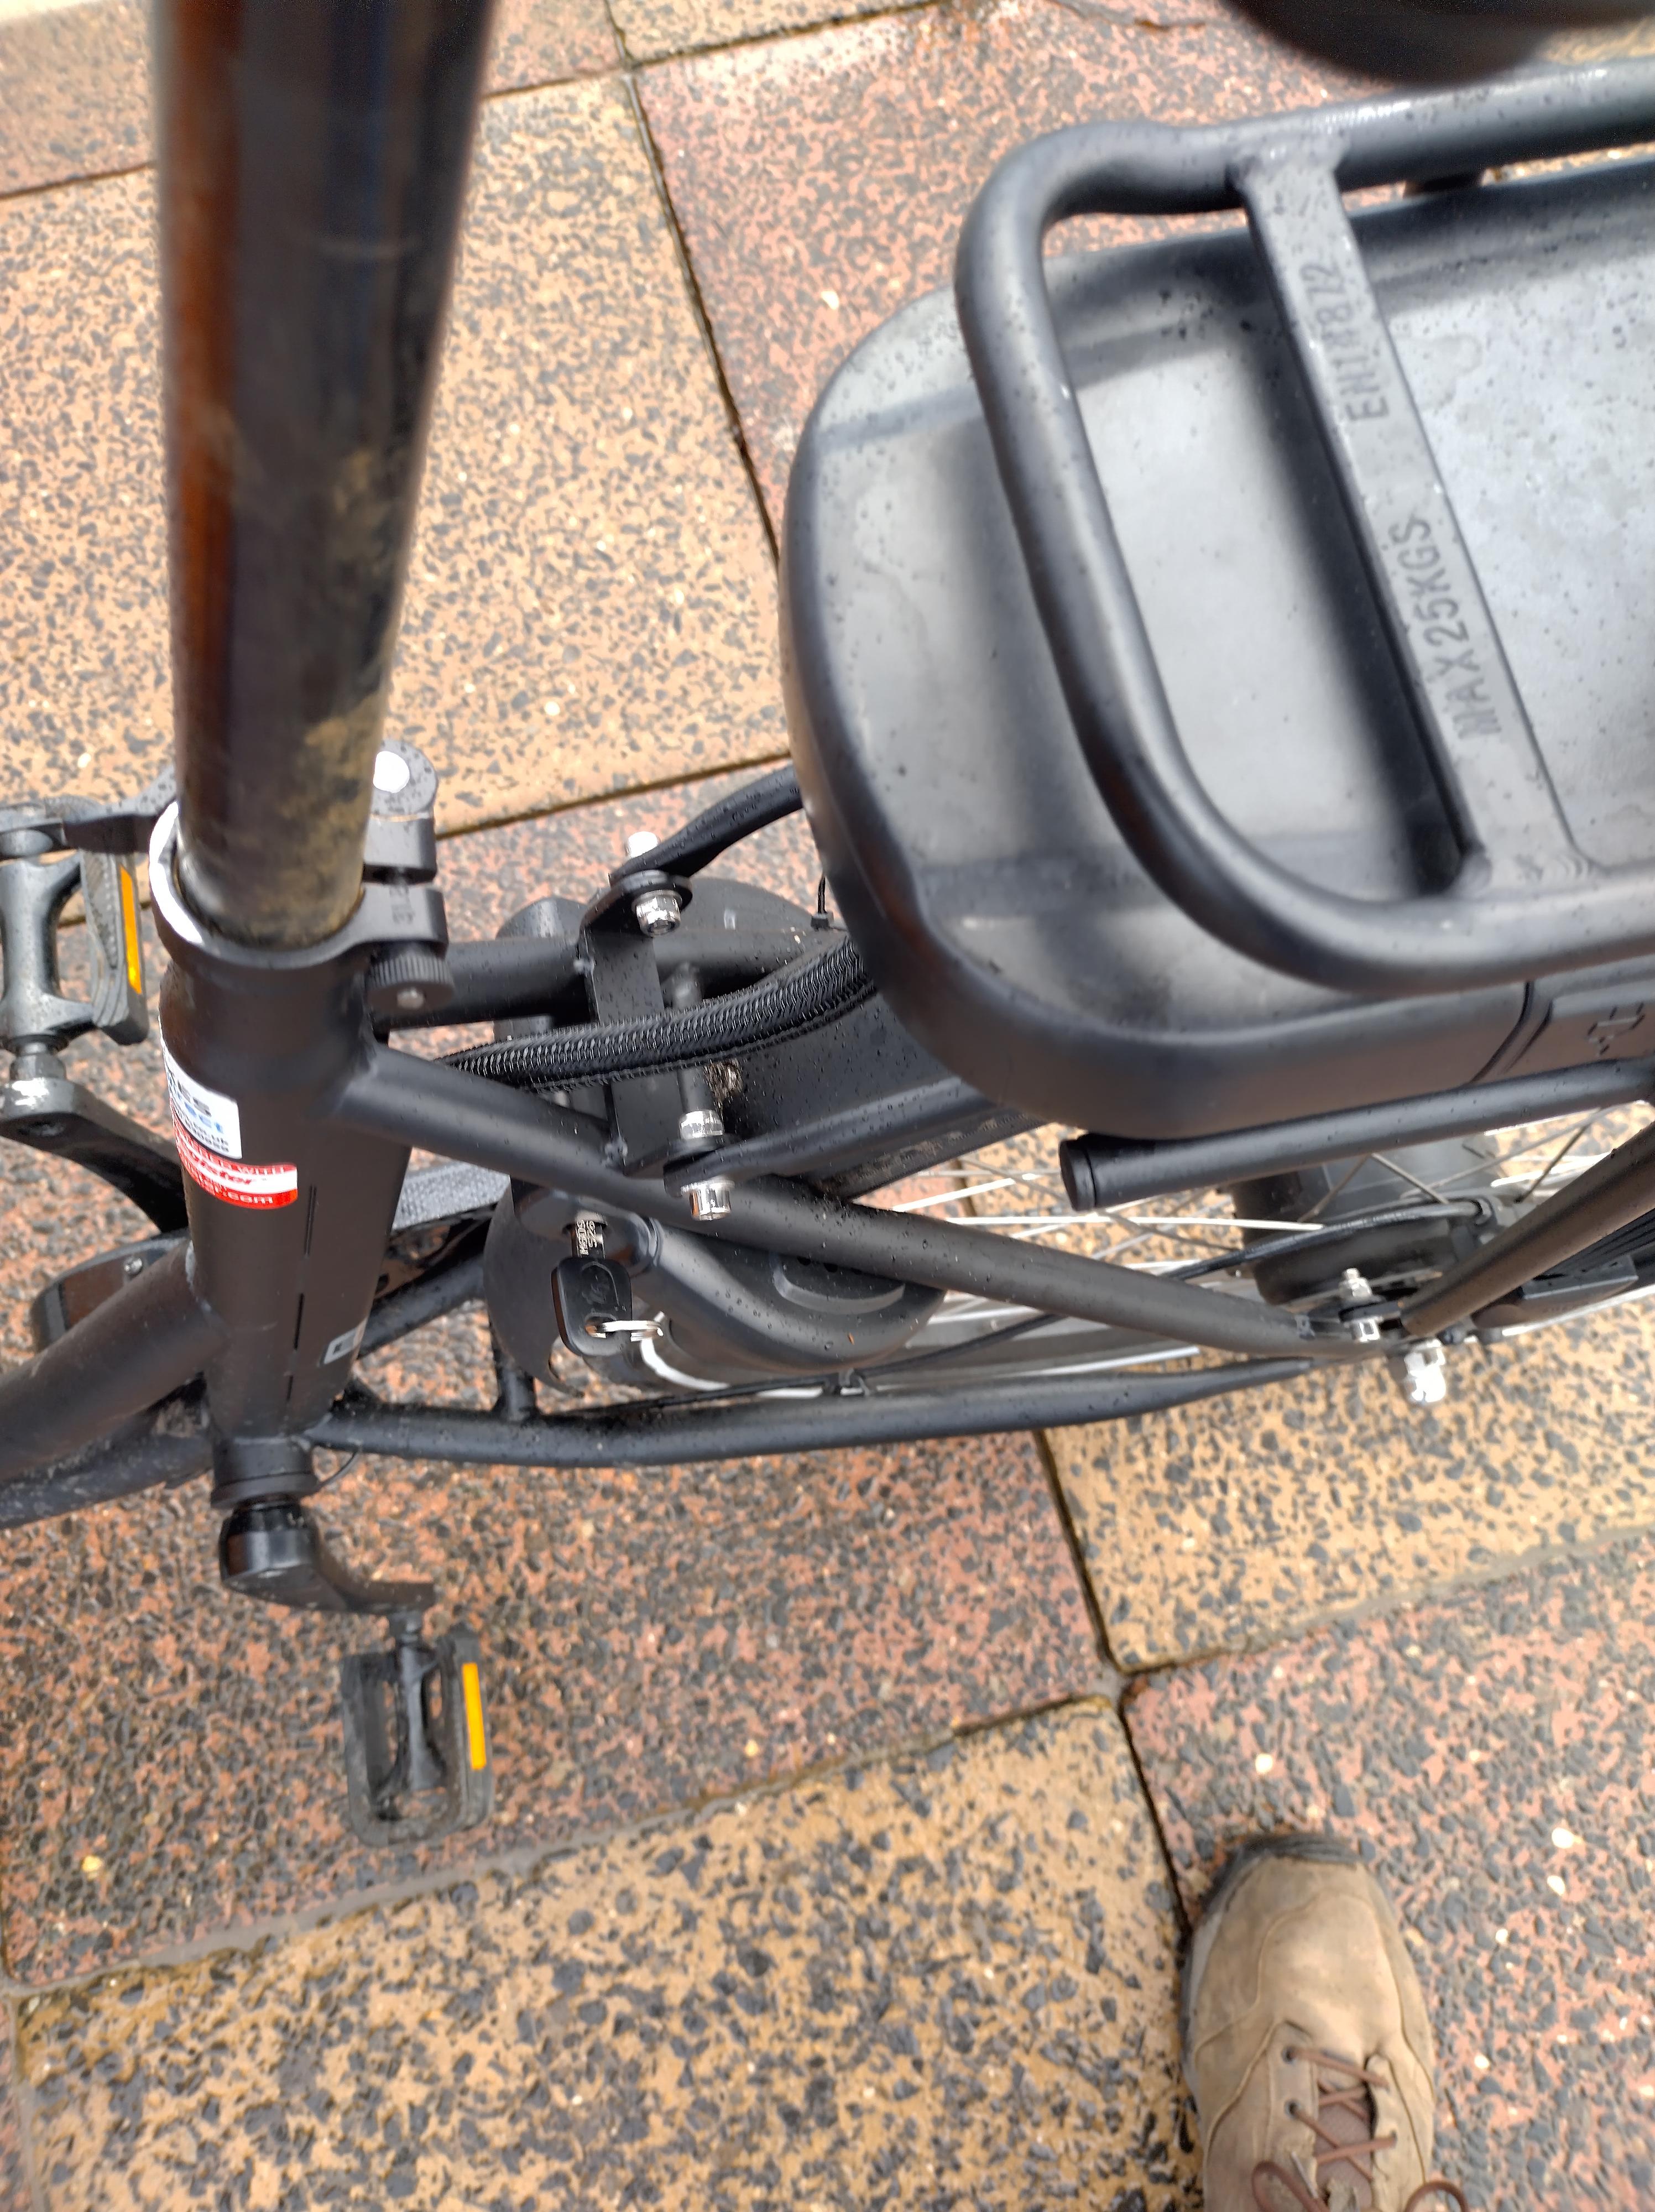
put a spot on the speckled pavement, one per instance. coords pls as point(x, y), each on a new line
point(936, 1981)
point(75, 78)
point(1245, 1520)
point(1494, 1756)
point(823, 1873)
point(650, 29)
point(821, 180)
point(15, 2190)
point(591, 601)
point(653, 1639)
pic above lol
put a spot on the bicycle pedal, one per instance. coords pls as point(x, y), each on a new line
point(416, 1757)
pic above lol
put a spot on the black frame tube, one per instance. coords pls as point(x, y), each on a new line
point(426, 1299)
point(313, 161)
point(646, 1436)
point(415, 1102)
point(119, 1467)
point(1110, 1172)
point(150, 1339)
point(1617, 1190)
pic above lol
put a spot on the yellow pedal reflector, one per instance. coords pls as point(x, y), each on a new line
point(472, 1682)
point(129, 932)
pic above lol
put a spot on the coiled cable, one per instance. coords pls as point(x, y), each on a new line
point(793, 1002)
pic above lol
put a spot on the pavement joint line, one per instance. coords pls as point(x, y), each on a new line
point(557, 812)
point(780, 32)
point(631, 68)
point(1128, 19)
point(523, 1863)
point(1116, 1676)
point(1117, 1682)
point(72, 184)
point(698, 307)
point(1119, 19)
point(1510, 1568)
point(618, 67)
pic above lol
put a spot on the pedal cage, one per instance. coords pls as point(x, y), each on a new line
point(417, 1755)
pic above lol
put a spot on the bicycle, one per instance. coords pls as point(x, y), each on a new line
point(1316, 992)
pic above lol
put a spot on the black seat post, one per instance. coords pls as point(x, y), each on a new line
point(312, 159)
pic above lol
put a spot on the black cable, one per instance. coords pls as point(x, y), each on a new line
point(724, 824)
point(791, 1003)
point(871, 1377)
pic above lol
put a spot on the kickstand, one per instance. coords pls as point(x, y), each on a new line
point(416, 1738)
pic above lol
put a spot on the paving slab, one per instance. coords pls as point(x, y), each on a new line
point(1492, 1756)
point(75, 79)
point(591, 604)
point(821, 180)
point(545, 42)
point(1240, 1522)
point(944, 1981)
point(650, 29)
point(173, 1756)
point(15, 2195)
point(74, 92)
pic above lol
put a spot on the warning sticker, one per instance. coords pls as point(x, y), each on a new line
point(233, 1181)
point(344, 1344)
point(209, 1117)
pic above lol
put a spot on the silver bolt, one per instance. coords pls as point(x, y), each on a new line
point(702, 1125)
point(588, 1232)
point(133, 1266)
point(710, 1200)
point(410, 998)
point(1357, 1289)
point(640, 842)
point(656, 912)
point(1425, 1373)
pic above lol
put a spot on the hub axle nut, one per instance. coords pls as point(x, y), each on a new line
point(1356, 1287)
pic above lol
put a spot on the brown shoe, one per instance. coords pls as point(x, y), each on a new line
point(1306, 2041)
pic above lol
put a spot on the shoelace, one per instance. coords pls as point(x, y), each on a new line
point(1347, 2094)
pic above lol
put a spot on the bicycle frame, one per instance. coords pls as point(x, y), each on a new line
point(312, 160)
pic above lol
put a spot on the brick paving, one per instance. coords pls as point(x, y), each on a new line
point(824, 1872)
point(821, 180)
point(934, 1979)
point(1246, 1523)
point(1493, 1755)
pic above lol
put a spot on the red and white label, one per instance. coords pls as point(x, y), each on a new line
point(211, 1118)
point(234, 1181)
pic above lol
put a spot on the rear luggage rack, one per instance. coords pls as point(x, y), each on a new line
point(1524, 900)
